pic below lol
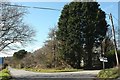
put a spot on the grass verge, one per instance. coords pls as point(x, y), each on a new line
point(52, 70)
point(107, 74)
point(5, 74)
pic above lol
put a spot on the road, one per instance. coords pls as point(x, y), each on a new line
point(28, 75)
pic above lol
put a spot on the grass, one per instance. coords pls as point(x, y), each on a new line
point(5, 74)
point(109, 73)
point(52, 70)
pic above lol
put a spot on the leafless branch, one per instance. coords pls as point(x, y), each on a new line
point(12, 28)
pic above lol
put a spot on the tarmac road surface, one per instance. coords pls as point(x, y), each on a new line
point(28, 75)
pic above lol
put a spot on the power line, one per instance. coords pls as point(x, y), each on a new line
point(33, 7)
point(114, 18)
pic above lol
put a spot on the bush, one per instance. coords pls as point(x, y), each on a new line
point(111, 58)
point(108, 73)
point(5, 71)
point(5, 74)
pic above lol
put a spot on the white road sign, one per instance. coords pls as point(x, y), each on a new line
point(103, 59)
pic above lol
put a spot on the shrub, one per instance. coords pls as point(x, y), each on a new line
point(108, 73)
point(5, 74)
point(111, 58)
point(5, 71)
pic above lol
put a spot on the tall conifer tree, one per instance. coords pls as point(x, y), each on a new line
point(81, 26)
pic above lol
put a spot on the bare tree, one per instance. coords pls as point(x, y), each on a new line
point(12, 28)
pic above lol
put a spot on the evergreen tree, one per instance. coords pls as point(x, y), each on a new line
point(81, 26)
point(20, 54)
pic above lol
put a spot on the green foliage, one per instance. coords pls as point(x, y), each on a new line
point(111, 58)
point(81, 26)
point(108, 44)
point(108, 73)
point(5, 74)
point(5, 71)
point(52, 70)
point(20, 54)
point(17, 60)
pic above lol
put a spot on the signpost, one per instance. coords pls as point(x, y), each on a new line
point(103, 50)
point(103, 59)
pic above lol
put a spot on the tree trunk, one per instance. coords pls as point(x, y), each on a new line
point(78, 64)
point(88, 59)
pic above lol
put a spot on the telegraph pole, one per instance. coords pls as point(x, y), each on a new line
point(114, 39)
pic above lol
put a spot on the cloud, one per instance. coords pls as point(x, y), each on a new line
point(4, 54)
point(8, 52)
